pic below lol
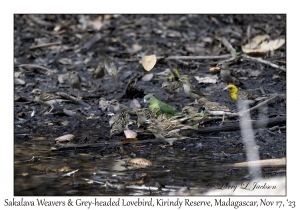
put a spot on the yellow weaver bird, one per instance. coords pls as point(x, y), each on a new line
point(236, 94)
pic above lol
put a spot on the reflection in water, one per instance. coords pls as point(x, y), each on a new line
point(40, 171)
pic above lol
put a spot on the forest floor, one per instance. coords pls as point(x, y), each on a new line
point(58, 44)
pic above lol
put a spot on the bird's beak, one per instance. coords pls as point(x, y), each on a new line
point(225, 89)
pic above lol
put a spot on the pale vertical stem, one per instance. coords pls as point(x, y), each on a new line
point(249, 141)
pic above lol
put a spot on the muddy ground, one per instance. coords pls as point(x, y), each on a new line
point(63, 43)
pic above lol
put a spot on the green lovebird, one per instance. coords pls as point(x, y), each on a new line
point(162, 107)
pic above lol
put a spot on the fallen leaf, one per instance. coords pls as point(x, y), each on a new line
point(272, 45)
point(140, 161)
point(83, 154)
point(260, 38)
point(216, 50)
point(92, 117)
point(21, 114)
point(65, 138)
point(255, 73)
point(136, 47)
point(20, 99)
point(69, 112)
point(212, 79)
point(103, 104)
point(171, 33)
point(65, 123)
point(135, 104)
point(207, 39)
point(57, 27)
point(62, 77)
point(90, 182)
point(261, 44)
point(17, 73)
point(147, 77)
point(130, 134)
point(198, 48)
point(64, 169)
point(137, 182)
point(107, 17)
point(164, 73)
point(97, 23)
point(148, 62)
point(19, 81)
point(32, 113)
point(214, 69)
point(65, 61)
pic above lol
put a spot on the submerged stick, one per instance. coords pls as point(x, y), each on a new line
point(278, 162)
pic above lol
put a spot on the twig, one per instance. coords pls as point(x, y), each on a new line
point(44, 45)
point(259, 105)
point(28, 66)
point(24, 161)
point(253, 108)
point(259, 60)
point(197, 57)
point(228, 46)
point(248, 33)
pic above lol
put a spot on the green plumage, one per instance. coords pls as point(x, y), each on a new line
point(162, 107)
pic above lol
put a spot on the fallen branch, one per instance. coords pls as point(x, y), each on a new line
point(44, 45)
point(257, 124)
point(224, 128)
point(259, 60)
